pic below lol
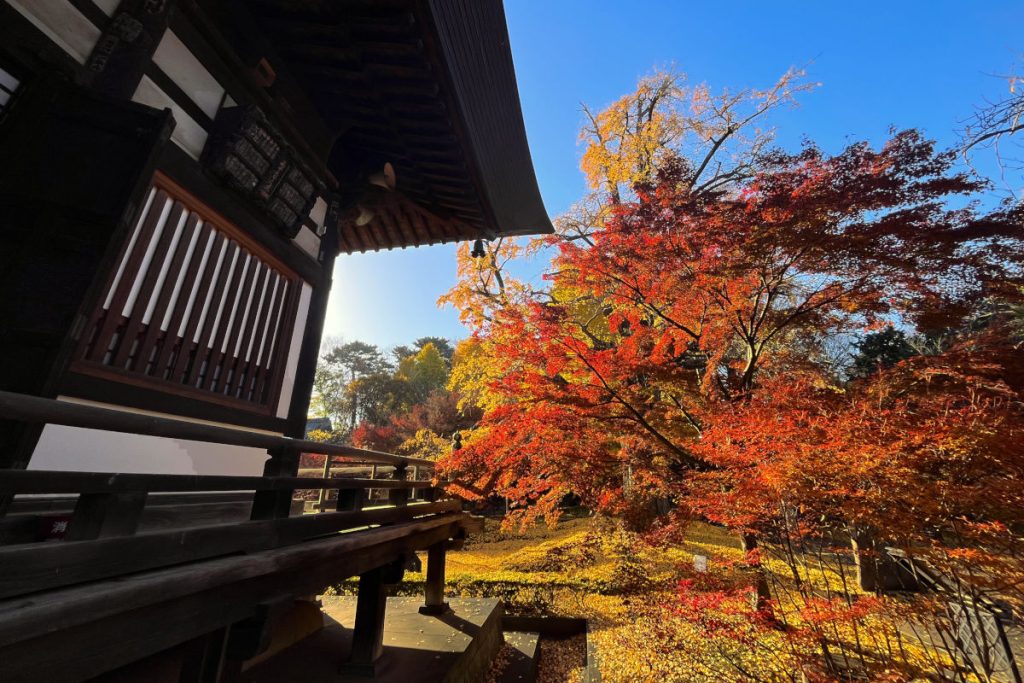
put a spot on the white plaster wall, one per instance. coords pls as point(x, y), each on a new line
point(73, 449)
point(307, 241)
point(108, 6)
point(187, 134)
point(188, 73)
point(62, 23)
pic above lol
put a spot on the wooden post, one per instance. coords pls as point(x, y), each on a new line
point(368, 634)
point(369, 492)
point(103, 515)
point(400, 497)
point(350, 499)
point(322, 497)
point(434, 599)
point(283, 462)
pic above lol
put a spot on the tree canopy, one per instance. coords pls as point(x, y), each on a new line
point(395, 401)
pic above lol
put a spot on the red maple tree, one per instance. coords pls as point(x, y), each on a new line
point(665, 343)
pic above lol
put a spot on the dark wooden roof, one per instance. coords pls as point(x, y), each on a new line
point(428, 86)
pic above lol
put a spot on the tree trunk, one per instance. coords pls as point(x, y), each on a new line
point(762, 596)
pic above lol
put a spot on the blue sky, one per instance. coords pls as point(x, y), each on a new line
point(880, 64)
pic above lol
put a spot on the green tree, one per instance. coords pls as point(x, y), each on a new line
point(881, 350)
point(379, 396)
point(338, 369)
point(329, 393)
point(443, 346)
point(401, 352)
point(426, 372)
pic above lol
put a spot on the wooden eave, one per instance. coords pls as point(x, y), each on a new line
point(427, 86)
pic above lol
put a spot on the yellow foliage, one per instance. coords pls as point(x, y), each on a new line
point(573, 569)
point(627, 141)
point(483, 284)
point(425, 444)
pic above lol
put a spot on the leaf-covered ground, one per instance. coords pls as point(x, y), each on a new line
point(583, 568)
point(643, 627)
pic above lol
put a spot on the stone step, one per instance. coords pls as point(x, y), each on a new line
point(457, 647)
point(522, 662)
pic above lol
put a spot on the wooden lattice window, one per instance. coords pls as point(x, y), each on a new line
point(194, 305)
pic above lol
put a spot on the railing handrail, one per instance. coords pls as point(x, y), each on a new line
point(53, 481)
point(25, 408)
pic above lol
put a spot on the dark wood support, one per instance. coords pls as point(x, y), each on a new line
point(251, 636)
point(202, 658)
point(26, 408)
point(55, 481)
point(321, 498)
point(283, 462)
point(434, 600)
point(44, 566)
point(309, 347)
point(400, 497)
point(368, 635)
point(193, 599)
point(106, 515)
point(350, 499)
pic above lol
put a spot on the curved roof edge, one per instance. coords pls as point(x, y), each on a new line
point(473, 37)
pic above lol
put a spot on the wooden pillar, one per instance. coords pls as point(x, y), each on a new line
point(434, 599)
point(105, 515)
point(322, 497)
point(309, 347)
point(350, 499)
point(283, 462)
point(368, 634)
point(400, 497)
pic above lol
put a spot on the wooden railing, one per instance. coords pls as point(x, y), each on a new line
point(33, 409)
point(349, 535)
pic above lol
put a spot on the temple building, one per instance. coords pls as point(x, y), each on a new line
point(178, 177)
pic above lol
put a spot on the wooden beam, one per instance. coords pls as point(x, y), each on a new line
point(49, 612)
point(37, 567)
point(52, 481)
point(24, 408)
point(88, 625)
point(399, 497)
point(277, 504)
